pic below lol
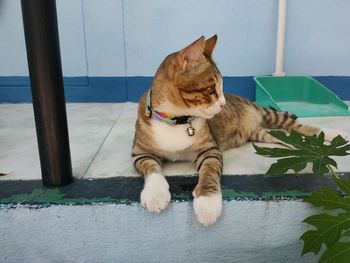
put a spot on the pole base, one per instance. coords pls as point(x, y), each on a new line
point(279, 74)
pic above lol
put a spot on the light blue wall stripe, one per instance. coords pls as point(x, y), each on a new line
point(96, 42)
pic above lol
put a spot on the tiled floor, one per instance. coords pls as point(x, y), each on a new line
point(101, 138)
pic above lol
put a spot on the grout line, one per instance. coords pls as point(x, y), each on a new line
point(85, 43)
point(103, 142)
point(124, 46)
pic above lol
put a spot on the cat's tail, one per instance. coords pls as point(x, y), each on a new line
point(273, 119)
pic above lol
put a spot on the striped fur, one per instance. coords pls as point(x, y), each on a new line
point(189, 83)
point(242, 120)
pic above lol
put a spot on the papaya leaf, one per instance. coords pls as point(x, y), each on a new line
point(344, 185)
point(328, 231)
point(329, 199)
point(283, 165)
point(339, 253)
point(295, 138)
point(306, 149)
point(273, 152)
point(346, 233)
point(328, 228)
point(336, 150)
point(339, 141)
point(320, 168)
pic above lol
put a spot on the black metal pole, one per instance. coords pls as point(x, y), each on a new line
point(44, 62)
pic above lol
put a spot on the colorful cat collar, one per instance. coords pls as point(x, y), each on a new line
point(167, 118)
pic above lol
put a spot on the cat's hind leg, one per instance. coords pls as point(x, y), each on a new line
point(261, 135)
point(155, 195)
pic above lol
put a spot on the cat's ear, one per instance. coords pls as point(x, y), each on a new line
point(210, 45)
point(190, 55)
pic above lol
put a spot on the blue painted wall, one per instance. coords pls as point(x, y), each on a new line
point(119, 38)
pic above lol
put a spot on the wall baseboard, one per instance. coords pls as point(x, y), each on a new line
point(121, 89)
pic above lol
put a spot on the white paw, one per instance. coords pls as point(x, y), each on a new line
point(208, 208)
point(330, 134)
point(155, 195)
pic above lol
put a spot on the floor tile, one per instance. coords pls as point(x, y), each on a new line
point(101, 137)
point(88, 125)
point(114, 157)
point(19, 149)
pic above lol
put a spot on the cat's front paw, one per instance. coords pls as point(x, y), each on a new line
point(330, 134)
point(208, 208)
point(155, 195)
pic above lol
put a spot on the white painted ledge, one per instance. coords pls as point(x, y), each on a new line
point(247, 231)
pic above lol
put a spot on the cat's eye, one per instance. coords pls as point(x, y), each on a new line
point(211, 90)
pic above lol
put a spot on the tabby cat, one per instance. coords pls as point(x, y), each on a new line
point(185, 116)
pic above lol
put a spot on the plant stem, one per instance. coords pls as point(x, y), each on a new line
point(332, 171)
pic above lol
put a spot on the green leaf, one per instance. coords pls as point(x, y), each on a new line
point(308, 149)
point(338, 141)
point(336, 150)
point(273, 152)
point(283, 165)
point(328, 228)
point(314, 139)
point(330, 161)
point(319, 167)
point(337, 147)
point(294, 138)
point(339, 253)
point(320, 138)
point(329, 199)
point(344, 185)
point(346, 233)
point(328, 231)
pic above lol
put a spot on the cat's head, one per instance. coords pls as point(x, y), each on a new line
point(190, 81)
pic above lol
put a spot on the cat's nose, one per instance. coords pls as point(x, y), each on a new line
point(222, 102)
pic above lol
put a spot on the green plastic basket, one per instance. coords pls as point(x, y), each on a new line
point(303, 96)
